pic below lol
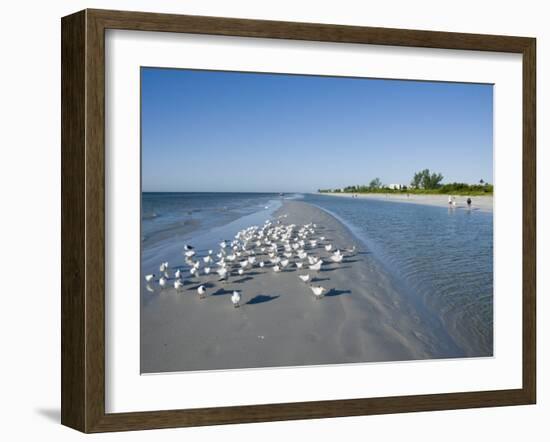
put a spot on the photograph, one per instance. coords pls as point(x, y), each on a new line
point(292, 220)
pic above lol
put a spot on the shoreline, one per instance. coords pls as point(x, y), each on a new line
point(481, 203)
point(196, 224)
point(364, 317)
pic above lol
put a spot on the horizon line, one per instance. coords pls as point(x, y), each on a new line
point(223, 191)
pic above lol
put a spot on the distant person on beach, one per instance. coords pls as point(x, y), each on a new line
point(469, 202)
point(450, 200)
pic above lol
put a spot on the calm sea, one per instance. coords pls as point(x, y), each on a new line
point(442, 258)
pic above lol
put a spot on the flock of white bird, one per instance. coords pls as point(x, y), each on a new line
point(275, 244)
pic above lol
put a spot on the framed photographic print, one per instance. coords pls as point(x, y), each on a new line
point(270, 220)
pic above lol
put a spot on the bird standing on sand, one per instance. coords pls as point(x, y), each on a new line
point(201, 291)
point(223, 273)
point(236, 298)
point(279, 245)
point(317, 291)
point(317, 266)
point(304, 278)
point(162, 282)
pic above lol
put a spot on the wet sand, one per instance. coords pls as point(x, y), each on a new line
point(364, 317)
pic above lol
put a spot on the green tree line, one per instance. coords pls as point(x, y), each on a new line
point(423, 182)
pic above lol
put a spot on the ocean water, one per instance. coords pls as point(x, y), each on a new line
point(169, 215)
point(442, 258)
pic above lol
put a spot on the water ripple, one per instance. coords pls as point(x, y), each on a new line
point(444, 257)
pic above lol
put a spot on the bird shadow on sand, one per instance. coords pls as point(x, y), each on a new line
point(349, 261)
point(335, 292)
point(335, 268)
point(317, 279)
point(246, 278)
point(221, 292)
point(260, 299)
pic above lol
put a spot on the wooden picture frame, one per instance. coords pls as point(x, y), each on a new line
point(83, 220)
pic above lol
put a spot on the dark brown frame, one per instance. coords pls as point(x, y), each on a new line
point(83, 220)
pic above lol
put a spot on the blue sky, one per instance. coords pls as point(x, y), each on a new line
point(230, 131)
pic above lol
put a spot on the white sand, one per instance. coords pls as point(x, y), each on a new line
point(364, 317)
point(483, 203)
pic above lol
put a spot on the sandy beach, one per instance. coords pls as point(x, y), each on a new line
point(483, 203)
point(364, 316)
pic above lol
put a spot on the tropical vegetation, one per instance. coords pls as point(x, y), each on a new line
point(423, 182)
